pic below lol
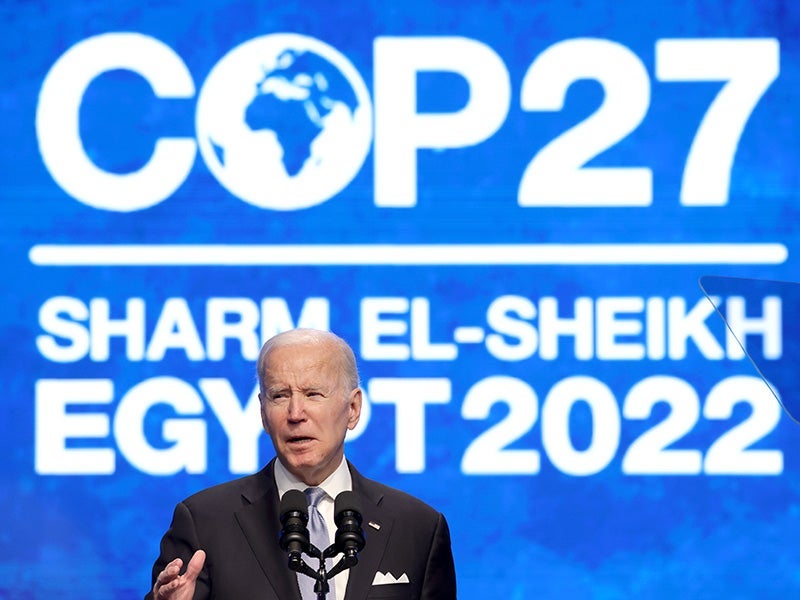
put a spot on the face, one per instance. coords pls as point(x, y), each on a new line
point(307, 409)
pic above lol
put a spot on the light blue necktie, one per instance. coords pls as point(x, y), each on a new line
point(318, 533)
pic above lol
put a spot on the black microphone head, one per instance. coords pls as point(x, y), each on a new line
point(349, 536)
point(346, 502)
point(294, 501)
point(294, 535)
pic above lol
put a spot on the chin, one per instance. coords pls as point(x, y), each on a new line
point(301, 462)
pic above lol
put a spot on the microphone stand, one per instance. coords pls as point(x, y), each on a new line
point(296, 563)
point(321, 576)
point(294, 537)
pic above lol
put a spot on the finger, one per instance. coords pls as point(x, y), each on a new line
point(167, 579)
point(170, 572)
point(163, 590)
point(195, 565)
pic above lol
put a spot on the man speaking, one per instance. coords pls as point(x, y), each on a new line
point(228, 535)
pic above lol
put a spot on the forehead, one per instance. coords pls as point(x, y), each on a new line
point(301, 363)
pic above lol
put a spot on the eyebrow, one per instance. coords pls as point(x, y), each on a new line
point(285, 388)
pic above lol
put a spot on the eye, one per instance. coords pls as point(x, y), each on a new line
point(279, 396)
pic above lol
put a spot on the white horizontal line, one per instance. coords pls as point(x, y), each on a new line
point(167, 255)
point(468, 335)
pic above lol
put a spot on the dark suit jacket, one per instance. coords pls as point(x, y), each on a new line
point(237, 524)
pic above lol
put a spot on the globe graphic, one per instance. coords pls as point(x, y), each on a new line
point(284, 121)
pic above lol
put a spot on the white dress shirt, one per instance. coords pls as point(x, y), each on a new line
point(338, 481)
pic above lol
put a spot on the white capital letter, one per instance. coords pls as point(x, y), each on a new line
point(409, 397)
point(54, 426)
point(58, 127)
point(400, 130)
point(242, 424)
point(189, 435)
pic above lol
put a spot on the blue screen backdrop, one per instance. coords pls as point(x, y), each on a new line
point(505, 208)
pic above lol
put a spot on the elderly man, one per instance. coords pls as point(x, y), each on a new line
point(228, 534)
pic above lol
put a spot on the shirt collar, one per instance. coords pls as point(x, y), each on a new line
point(336, 483)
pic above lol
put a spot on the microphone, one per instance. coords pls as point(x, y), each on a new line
point(294, 536)
point(349, 535)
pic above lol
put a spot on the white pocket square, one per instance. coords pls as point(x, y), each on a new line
point(388, 578)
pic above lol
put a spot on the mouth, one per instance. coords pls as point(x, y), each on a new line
point(299, 440)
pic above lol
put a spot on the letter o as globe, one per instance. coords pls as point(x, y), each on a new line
point(284, 121)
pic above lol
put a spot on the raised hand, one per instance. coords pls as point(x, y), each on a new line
point(171, 585)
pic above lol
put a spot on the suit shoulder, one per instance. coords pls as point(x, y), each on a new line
point(400, 502)
point(248, 487)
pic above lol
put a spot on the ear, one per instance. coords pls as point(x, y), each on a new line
point(356, 397)
point(263, 412)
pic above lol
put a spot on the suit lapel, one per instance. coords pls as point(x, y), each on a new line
point(377, 526)
point(260, 522)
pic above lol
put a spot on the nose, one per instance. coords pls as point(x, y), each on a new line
point(296, 408)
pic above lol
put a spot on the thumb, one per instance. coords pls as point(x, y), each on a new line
point(195, 565)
